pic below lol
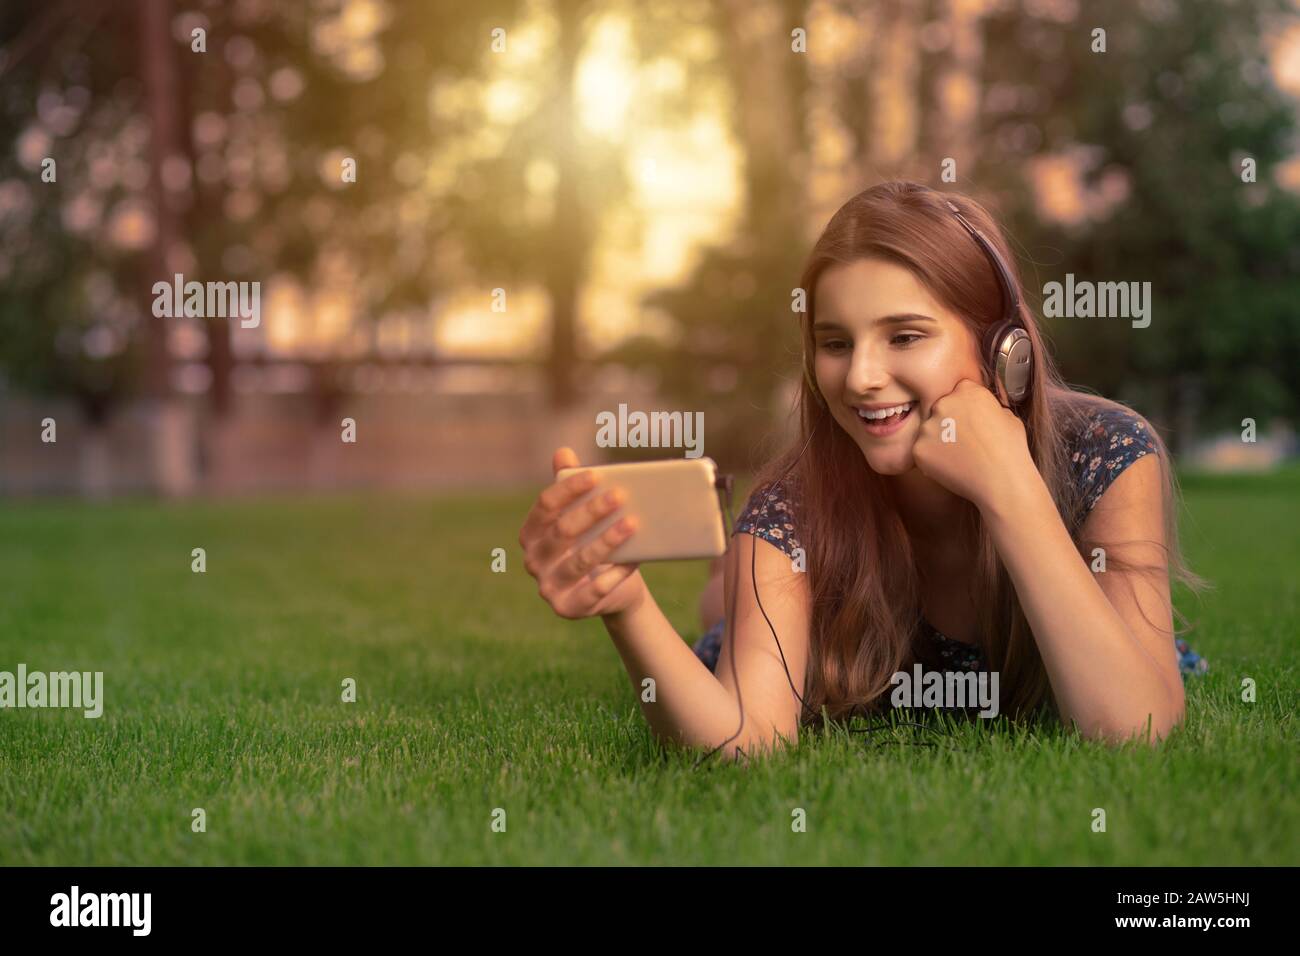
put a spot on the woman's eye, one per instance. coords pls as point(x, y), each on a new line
point(906, 338)
point(834, 345)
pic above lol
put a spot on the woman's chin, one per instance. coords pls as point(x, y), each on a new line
point(892, 462)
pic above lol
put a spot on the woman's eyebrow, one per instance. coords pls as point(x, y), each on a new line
point(903, 318)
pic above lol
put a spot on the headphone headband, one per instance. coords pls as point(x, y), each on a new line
point(1010, 296)
point(1007, 348)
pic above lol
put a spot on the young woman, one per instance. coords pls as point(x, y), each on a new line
point(962, 531)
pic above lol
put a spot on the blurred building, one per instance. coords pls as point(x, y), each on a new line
point(415, 429)
point(1229, 453)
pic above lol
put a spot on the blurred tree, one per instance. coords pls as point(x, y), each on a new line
point(1159, 125)
point(167, 126)
point(454, 187)
point(66, 297)
point(510, 239)
point(736, 331)
point(1156, 129)
point(224, 163)
point(293, 97)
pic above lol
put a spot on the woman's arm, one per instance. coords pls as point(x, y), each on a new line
point(691, 706)
point(694, 708)
point(1112, 670)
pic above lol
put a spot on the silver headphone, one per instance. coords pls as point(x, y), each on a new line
point(1008, 351)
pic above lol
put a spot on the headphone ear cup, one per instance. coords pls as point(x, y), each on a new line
point(1010, 361)
point(991, 344)
point(993, 337)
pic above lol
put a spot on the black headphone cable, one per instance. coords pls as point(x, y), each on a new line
point(724, 483)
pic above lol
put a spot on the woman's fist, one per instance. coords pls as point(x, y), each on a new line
point(973, 446)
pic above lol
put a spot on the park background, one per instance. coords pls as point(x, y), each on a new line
point(638, 185)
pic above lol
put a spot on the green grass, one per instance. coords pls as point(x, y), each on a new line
point(222, 691)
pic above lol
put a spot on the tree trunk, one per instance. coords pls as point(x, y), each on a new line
point(158, 69)
point(958, 89)
point(94, 468)
point(570, 230)
point(769, 80)
point(894, 89)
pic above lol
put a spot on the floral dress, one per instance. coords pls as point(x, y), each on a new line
point(1109, 441)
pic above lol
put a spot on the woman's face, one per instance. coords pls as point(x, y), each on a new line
point(882, 340)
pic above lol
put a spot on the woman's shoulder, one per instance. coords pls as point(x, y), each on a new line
point(1105, 438)
point(769, 513)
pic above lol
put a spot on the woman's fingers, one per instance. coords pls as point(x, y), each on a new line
point(594, 553)
point(576, 580)
point(551, 503)
point(597, 586)
point(563, 458)
point(554, 540)
point(577, 520)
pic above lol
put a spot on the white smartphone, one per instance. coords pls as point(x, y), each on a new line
point(676, 505)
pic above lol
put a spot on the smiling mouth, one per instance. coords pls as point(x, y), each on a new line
point(886, 420)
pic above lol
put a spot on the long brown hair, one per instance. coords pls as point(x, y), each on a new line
point(861, 568)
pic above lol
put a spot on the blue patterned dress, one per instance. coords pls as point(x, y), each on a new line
point(1109, 441)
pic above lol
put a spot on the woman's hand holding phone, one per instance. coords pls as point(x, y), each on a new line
point(577, 582)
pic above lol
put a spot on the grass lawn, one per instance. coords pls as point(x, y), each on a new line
point(222, 691)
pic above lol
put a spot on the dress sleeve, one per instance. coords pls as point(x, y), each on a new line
point(768, 515)
point(1109, 442)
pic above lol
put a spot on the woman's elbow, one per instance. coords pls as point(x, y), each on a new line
point(1151, 727)
point(749, 745)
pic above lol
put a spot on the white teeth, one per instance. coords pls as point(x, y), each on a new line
point(884, 412)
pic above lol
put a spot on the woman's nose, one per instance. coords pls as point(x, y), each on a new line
point(868, 371)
